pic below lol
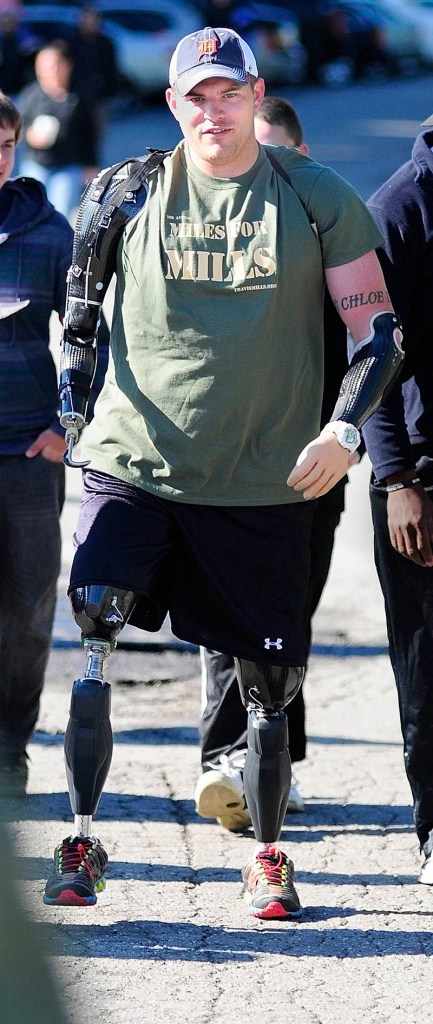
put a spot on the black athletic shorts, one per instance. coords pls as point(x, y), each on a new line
point(234, 579)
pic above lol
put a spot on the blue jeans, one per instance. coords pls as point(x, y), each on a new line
point(31, 500)
point(64, 185)
point(408, 594)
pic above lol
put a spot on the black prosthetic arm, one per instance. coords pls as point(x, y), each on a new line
point(265, 691)
point(109, 201)
point(372, 371)
point(77, 371)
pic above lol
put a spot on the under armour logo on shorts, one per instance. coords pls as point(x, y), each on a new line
point(278, 643)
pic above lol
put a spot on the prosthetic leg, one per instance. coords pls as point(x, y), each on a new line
point(268, 875)
point(265, 691)
point(101, 612)
point(80, 860)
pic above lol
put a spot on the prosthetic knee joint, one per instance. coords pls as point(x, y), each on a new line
point(265, 691)
point(100, 612)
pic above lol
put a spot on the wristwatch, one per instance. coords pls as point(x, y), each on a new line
point(347, 435)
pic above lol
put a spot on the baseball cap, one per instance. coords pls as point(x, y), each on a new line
point(210, 53)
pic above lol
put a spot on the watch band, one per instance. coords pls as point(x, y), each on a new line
point(402, 484)
point(347, 434)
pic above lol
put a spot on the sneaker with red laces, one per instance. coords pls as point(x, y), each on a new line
point(269, 889)
point(78, 874)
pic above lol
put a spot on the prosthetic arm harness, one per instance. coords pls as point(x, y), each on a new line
point(374, 367)
point(108, 203)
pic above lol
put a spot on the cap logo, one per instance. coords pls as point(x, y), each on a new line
point(206, 47)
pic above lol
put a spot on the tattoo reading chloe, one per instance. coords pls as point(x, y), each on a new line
point(364, 299)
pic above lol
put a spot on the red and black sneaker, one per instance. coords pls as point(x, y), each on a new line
point(78, 874)
point(269, 889)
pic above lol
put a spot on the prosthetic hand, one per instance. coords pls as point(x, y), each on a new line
point(374, 367)
point(78, 365)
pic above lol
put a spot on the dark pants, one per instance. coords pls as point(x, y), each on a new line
point(408, 594)
point(31, 500)
point(223, 723)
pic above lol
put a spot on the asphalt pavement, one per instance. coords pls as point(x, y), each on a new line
point(170, 939)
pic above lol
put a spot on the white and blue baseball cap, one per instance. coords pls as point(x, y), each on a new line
point(210, 53)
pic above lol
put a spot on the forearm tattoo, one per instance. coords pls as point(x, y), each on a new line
point(374, 298)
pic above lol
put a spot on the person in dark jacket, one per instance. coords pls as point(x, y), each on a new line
point(399, 440)
point(59, 130)
point(16, 44)
point(35, 253)
point(95, 74)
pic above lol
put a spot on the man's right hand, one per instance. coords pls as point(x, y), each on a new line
point(410, 524)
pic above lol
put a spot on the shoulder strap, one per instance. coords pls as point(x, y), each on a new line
point(278, 167)
point(102, 217)
point(283, 174)
point(141, 167)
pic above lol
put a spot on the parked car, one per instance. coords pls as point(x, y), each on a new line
point(395, 32)
point(144, 33)
point(421, 12)
point(274, 36)
point(351, 39)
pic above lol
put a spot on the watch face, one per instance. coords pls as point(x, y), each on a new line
point(350, 435)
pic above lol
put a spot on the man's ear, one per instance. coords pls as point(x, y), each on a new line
point(259, 92)
point(170, 95)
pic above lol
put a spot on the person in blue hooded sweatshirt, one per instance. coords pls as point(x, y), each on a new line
point(36, 248)
point(35, 253)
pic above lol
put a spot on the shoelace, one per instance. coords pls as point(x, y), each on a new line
point(231, 764)
point(273, 865)
point(71, 858)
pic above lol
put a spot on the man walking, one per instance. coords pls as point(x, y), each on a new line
point(206, 447)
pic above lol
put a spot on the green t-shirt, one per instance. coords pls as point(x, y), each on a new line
point(215, 376)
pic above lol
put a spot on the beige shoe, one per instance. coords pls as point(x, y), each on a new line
point(219, 793)
point(295, 803)
point(426, 874)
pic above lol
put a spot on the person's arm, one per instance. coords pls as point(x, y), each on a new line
point(409, 508)
point(358, 291)
point(360, 296)
point(51, 442)
point(104, 211)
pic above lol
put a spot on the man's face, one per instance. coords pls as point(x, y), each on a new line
point(7, 154)
point(217, 121)
point(53, 71)
point(275, 135)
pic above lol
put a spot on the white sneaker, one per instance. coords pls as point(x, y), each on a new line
point(295, 803)
point(426, 874)
point(219, 793)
